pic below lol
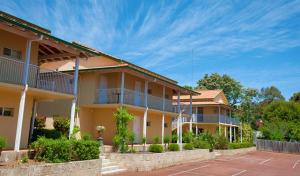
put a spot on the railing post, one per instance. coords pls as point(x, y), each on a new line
point(146, 110)
point(73, 107)
point(219, 120)
point(163, 116)
point(179, 116)
point(191, 113)
point(230, 128)
point(23, 97)
point(122, 88)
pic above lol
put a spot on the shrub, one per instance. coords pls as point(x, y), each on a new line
point(86, 136)
point(85, 150)
point(211, 141)
point(24, 159)
point(188, 146)
point(174, 147)
point(47, 133)
point(40, 123)
point(131, 138)
point(201, 144)
point(187, 137)
point(174, 138)
point(221, 142)
point(2, 143)
point(156, 148)
point(166, 139)
point(156, 140)
point(239, 145)
point(64, 150)
point(62, 124)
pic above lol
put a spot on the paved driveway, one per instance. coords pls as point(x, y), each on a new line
point(256, 163)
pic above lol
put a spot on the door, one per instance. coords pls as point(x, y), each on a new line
point(137, 129)
point(102, 94)
point(137, 93)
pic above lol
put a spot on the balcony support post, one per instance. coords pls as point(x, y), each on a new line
point(178, 118)
point(74, 101)
point(146, 110)
point(219, 116)
point(23, 97)
point(191, 113)
point(122, 88)
point(230, 132)
point(163, 116)
point(34, 114)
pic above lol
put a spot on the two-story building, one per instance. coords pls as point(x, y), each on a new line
point(210, 111)
point(23, 48)
point(106, 83)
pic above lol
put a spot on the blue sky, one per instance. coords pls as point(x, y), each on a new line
point(256, 42)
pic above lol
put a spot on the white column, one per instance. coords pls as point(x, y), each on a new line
point(225, 131)
point(180, 131)
point(23, 97)
point(146, 109)
point(34, 114)
point(163, 117)
point(122, 88)
point(191, 113)
point(230, 133)
point(196, 130)
point(179, 117)
point(219, 115)
point(74, 101)
point(241, 133)
point(234, 134)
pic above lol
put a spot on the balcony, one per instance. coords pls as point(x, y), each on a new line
point(211, 118)
point(131, 97)
point(11, 71)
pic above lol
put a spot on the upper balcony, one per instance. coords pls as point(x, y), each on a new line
point(132, 97)
point(11, 71)
point(211, 118)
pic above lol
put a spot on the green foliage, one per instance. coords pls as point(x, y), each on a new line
point(76, 129)
point(62, 124)
point(173, 147)
point(167, 139)
point(2, 142)
point(248, 106)
point(231, 87)
point(187, 137)
point(40, 123)
point(156, 140)
point(64, 150)
point(239, 145)
point(85, 150)
point(156, 148)
point(131, 138)
point(174, 138)
point(270, 94)
point(122, 119)
point(281, 110)
point(47, 133)
point(247, 133)
point(188, 87)
point(188, 146)
point(221, 142)
point(144, 140)
point(276, 130)
point(24, 159)
point(200, 143)
point(295, 97)
point(211, 141)
point(86, 136)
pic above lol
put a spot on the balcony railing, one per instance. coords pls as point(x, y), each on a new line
point(11, 71)
point(131, 97)
point(209, 118)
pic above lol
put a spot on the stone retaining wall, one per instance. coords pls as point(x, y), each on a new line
point(151, 161)
point(76, 168)
point(12, 155)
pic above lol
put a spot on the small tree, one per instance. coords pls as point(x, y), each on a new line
point(131, 138)
point(144, 143)
point(122, 119)
point(62, 124)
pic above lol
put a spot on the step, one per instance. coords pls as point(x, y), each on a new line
point(112, 171)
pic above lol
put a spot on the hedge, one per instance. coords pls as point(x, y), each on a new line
point(174, 147)
point(64, 150)
point(188, 146)
point(156, 148)
point(239, 145)
point(47, 133)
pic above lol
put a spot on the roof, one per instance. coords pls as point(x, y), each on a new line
point(203, 94)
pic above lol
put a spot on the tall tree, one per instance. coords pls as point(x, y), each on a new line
point(188, 87)
point(270, 94)
point(248, 105)
point(295, 97)
point(231, 87)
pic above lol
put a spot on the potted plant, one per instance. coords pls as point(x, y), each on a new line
point(100, 130)
point(2, 144)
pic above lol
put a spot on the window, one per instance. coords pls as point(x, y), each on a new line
point(166, 125)
point(8, 112)
point(148, 124)
point(12, 53)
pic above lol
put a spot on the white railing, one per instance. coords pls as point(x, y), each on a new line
point(131, 97)
point(11, 71)
point(211, 118)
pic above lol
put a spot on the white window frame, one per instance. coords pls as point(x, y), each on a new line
point(3, 109)
point(17, 57)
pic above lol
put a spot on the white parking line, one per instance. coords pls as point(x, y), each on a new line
point(239, 173)
point(296, 164)
point(265, 161)
point(189, 170)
